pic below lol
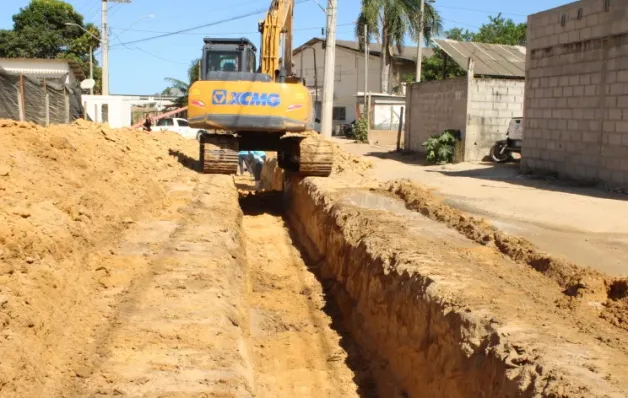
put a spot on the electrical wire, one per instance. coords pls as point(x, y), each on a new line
point(476, 10)
point(168, 34)
point(230, 33)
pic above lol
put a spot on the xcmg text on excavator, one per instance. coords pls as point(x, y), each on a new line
point(241, 107)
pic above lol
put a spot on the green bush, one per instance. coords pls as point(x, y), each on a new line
point(360, 130)
point(440, 148)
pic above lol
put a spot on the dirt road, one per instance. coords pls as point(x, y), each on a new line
point(579, 224)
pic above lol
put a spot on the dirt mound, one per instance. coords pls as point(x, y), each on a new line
point(346, 167)
point(65, 192)
point(580, 283)
point(346, 163)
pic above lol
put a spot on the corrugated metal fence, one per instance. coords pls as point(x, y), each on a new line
point(42, 101)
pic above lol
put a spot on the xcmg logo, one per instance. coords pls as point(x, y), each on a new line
point(222, 97)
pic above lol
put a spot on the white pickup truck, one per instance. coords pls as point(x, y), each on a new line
point(176, 125)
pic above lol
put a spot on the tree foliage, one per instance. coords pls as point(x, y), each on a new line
point(179, 87)
point(502, 31)
point(497, 31)
point(390, 21)
point(43, 29)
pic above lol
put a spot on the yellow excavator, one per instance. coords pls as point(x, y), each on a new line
point(242, 107)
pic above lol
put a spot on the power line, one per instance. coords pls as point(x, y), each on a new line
point(242, 16)
point(228, 33)
point(187, 16)
point(482, 11)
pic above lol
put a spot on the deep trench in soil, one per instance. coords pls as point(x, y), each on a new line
point(296, 338)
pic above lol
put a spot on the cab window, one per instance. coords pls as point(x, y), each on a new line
point(223, 61)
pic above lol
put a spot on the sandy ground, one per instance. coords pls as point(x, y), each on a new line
point(123, 272)
point(579, 224)
point(295, 351)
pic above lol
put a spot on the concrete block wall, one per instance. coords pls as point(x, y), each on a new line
point(576, 95)
point(492, 104)
point(432, 107)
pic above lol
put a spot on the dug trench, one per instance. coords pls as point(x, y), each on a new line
point(435, 314)
point(327, 289)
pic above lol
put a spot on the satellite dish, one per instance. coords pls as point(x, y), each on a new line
point(88, 84)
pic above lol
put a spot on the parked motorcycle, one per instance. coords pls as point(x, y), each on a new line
point(502, 151)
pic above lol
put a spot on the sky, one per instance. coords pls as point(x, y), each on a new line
point(140, 68)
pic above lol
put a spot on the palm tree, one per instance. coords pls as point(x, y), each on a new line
point(390, 21)
point(179, 87)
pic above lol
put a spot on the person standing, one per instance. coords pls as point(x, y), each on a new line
point(244, 162)
point(148, 122)
point(256, 160)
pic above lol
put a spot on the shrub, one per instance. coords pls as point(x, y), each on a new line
point(360, 130)
point(440, 148)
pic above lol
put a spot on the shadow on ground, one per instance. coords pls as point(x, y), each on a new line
point(503, 172)
point(187, 161)
point(511, 173)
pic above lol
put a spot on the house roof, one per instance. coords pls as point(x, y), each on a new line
point(489, 59)
point(408, 53)
point(76, 69)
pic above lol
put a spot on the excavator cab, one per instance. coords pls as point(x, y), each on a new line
point(227, 55)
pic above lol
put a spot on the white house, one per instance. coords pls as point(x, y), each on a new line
point(309, 60)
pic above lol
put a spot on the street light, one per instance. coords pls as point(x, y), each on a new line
point(91, 54)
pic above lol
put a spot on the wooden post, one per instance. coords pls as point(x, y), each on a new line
point(400, 128)
point(46, 105)
point(21, 99)
point(67, 105)
point(368, 116)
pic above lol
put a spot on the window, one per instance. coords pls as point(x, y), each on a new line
point(105, 113)
point(165, 122)
point(183, 123)
point(340, 113)
point(226, 61)
point(251, 61)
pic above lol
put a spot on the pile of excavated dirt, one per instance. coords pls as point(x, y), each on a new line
point(66, 192)
point(441, 315)
point(581, 285)
point(347, 167)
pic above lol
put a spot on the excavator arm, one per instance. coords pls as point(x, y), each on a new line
point(277, 25)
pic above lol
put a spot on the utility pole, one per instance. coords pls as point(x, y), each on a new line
point(330, 71)
point(419, 55)
point(91, 68)
point(366, 67)
point(105, 44)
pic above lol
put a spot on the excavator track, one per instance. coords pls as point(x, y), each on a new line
point(219, 154)
point(307, 156)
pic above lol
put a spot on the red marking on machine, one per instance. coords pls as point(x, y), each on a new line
point(294, 107)
point(198, 103)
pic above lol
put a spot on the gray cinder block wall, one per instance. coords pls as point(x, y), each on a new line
point(492, 104)
point(432, 107)
point(480, 108)
point(576, 99)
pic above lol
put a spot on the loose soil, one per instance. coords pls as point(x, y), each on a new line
point(296, 352)
point(580, 285)
point(125, 272)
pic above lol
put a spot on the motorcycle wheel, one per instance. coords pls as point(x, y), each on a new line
point(498, 157)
